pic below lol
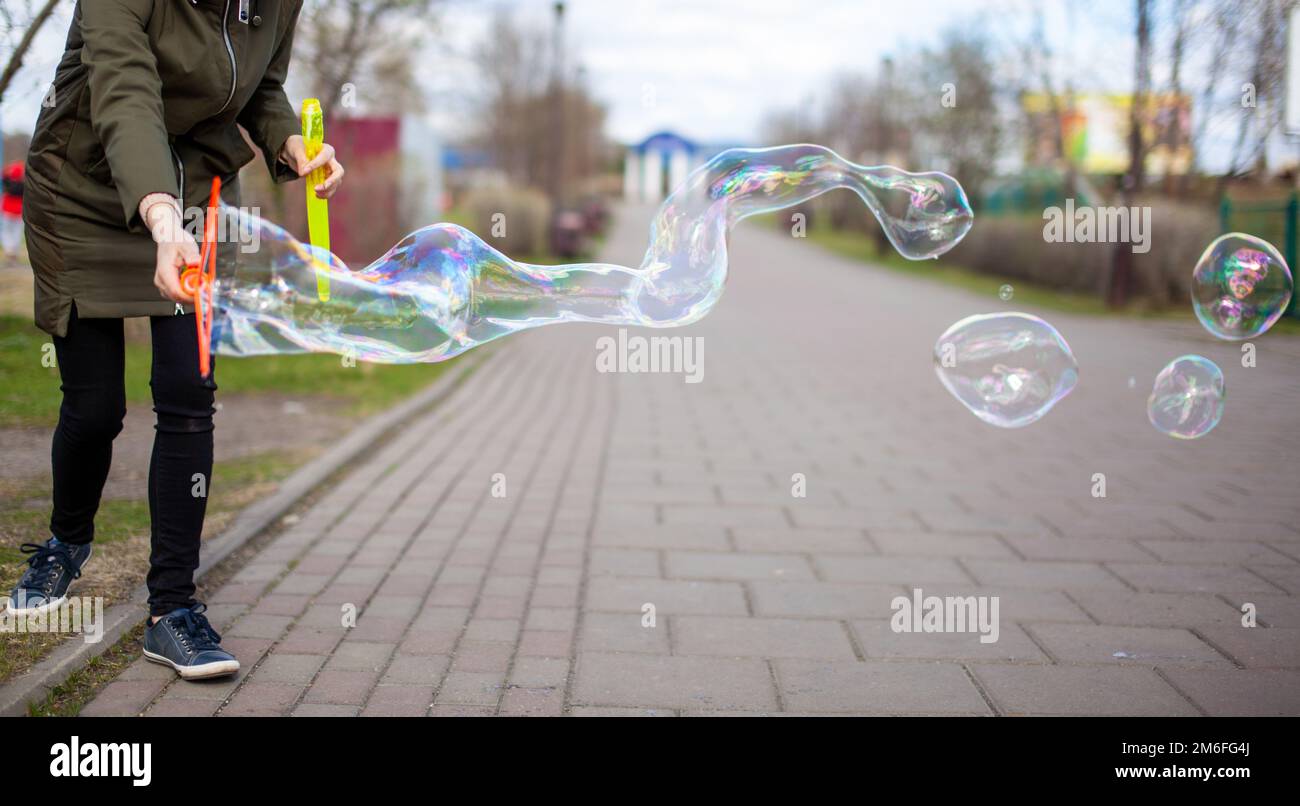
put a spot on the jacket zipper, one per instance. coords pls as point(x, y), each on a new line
point(180, 167)
point(230, 51)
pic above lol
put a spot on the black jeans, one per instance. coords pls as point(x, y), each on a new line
point(91, 363)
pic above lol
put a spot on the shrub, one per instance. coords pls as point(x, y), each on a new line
point(527, 215)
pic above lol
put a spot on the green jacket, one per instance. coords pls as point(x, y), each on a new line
point(146, 99)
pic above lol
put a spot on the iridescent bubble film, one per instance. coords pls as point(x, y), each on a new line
point(1187, 399)
point(1009, 369)
point(1240, 286)
point(442, 290)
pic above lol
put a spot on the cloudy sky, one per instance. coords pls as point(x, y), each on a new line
point(712, 69)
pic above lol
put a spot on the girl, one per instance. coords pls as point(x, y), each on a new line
point(146, 108)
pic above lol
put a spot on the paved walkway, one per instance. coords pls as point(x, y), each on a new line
point(623, 490)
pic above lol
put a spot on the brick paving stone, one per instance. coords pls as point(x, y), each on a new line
point(634, 489)
point(123, 698)
point(324, 709)
point(262, 699)
point(926, 544)
point(735, 566)
point(909, 571)
point(470, 688)
point(622, 632)
point(823, 599)
point(668, 596)
point(1191, 578)
point(341, 687)
point(798, 540)
point(1127, 609)
point(179, 707)
point(1146, 646)
point(1256, 647)
point(672, 682)
point(878, 640)
point(532, 702)
point(1250, 692)
point(1081, 691)
point(287, 668)
point(534, 672)
point(877, 687)
point(1273, 610)
point(1043, 574)
point(360, 656)
point(722, 636)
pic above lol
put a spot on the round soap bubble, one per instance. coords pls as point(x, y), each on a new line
point(1187, 399)
point(1240, 286)
point(1009, 369)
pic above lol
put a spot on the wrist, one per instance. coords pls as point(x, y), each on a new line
point(161, 213)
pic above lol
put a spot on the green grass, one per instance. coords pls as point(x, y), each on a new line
point(29, 390)
point(862, 247)
point(121, 535)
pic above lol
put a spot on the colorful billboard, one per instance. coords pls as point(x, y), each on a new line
point(1091, 131)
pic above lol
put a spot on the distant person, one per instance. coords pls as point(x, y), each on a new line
point(11, 209)
point(151, 95)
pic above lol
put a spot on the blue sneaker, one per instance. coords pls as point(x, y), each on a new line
point(184, 640)
point(50, 571)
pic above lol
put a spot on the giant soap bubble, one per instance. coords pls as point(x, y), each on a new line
point(442, 290)
point(1187, 398)
point(1009, 369)
point(1240, 286)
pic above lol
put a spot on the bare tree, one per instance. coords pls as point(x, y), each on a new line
point(517, 121)
point(1260, 115)
point(1224, 23)
point(962, 118)
point(1119, 286)
point(30, 25)
point(370, 44)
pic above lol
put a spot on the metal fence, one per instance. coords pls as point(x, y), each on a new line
point(1274, 220)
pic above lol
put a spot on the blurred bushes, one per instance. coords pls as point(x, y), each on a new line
point(527, 218)
point(1013, 247)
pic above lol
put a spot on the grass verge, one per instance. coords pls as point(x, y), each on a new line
point(30, 393)
point(121, 541)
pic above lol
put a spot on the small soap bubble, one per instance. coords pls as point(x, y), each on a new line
point(1009, 369)
point(1187, 399)
point(1240, 286)
point(1006, 292)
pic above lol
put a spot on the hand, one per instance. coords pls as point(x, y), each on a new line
point(294, 154)
point(176, 250)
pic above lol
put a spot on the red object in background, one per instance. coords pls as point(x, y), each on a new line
point(364, 216)
point(13, 188)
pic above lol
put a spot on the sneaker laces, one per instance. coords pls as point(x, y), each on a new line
point(43, 562)
point(195, 630)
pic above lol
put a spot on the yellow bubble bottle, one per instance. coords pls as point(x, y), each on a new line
point(318, 211)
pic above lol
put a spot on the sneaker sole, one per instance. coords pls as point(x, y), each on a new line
point(28, 612)
point(40, 610)
point(220, 668)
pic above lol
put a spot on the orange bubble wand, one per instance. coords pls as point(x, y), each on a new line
point(200, 279)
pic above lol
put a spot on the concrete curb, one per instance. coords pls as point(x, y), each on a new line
point(119, 619)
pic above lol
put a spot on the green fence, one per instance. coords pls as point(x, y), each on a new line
point(1274, 220)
